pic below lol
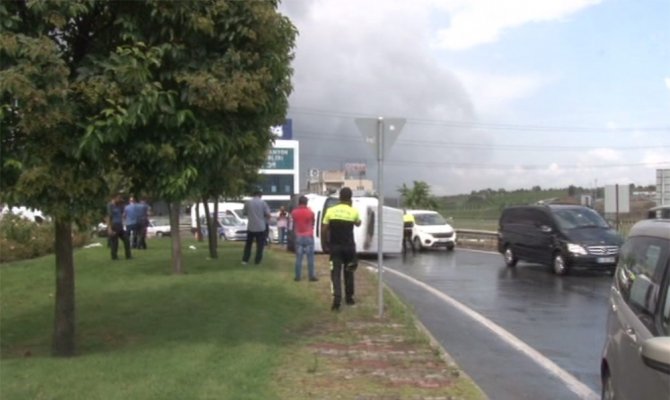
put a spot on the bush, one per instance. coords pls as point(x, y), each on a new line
point(21, 239)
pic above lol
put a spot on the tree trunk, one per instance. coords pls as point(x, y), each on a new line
point(211, 228)
point(64, 320)
point(176, 237)
point(198, 224)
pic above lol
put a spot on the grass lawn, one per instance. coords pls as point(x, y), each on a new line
point(220, 331)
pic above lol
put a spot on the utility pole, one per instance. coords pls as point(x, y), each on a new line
point(380, 135)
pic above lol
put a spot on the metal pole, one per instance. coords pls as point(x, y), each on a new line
point(380, 211)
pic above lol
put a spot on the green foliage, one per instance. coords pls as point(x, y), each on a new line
point(22, 239)
point(418, 197)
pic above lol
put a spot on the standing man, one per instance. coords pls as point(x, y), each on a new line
point(408, 226)
point(258, 215)
point(303, 226)
point(130, 215)
point(338, 230)
point(115, 229)
point(143, 211)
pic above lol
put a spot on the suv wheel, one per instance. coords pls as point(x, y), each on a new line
point(510, 257)
point(417, 244)
point(559, 265)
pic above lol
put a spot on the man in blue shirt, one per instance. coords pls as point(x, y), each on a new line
point(131, 214)
point(115, 226)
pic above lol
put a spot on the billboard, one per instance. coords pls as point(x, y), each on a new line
point(617, 199)
point(279, 158)
point(285, 131)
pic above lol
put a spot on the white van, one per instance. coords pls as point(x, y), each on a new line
point(234, 209)
point(431, 230)
point(364, 235)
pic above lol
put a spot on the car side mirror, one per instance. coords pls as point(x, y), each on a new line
point(655, 353)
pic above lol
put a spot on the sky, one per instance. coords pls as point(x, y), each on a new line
point(496, 94)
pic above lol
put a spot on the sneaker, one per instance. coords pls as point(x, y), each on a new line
point(313, 279)
point(335, 307)
point(244, 263)
point(296, 279)
point(351, 302)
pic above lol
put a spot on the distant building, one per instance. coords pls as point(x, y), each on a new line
point(324, 182)
point(662, 187)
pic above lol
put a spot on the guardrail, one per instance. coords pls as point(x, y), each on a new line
point(478, 239)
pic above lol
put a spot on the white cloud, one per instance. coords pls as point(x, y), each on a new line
point(600, 155)
point(491, 93)
point(476, 22)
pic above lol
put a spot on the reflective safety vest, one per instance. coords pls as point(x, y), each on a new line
point(341, 219)
point(408, 220)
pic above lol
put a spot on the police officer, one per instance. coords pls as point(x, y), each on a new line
point(338, 230)
point(408, 226)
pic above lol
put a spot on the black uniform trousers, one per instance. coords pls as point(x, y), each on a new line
point(343, 263)
point(119, 233)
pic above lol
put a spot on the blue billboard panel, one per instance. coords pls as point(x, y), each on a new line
point(285, 131)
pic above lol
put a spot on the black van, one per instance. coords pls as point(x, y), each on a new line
point(561, 236)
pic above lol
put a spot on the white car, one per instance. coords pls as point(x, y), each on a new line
point(431, 230)
point(157, 230)
point(232, 228)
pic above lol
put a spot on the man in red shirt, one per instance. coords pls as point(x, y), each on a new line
point(303, 226)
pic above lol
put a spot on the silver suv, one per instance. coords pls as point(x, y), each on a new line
point(636, 356)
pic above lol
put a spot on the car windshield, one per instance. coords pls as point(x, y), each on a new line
point(429, 219)
point(228, 220)
point(575, 218)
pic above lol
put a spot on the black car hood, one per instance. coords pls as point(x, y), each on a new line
point(594, 236)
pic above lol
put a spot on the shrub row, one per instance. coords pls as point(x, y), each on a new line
point(22, 239)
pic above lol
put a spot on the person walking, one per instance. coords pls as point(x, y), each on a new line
point(115, 229)
point(258, 214)
point(337, 229)
point(408, 226)
point(303, 226)
point(143, 212)
point(130, 214)
point(282, 224)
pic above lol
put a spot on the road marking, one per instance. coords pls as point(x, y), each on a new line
point(577, 387)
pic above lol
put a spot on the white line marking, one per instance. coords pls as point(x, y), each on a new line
point(580, 389)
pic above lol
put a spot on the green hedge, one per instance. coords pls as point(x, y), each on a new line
point(22, 239)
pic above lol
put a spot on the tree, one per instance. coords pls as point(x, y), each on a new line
point(193, 85)
point(418, 196)
point(39, 138)
point(158, 90)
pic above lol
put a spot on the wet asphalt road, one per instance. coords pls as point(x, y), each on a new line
point(559, 321)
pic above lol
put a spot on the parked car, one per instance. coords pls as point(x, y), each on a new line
point(431, 230)
point(232, 228)
point(659, 212)
point(154, 229)
point(636, 355)
point(561, 236)
point(101, 229)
